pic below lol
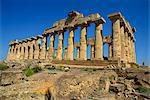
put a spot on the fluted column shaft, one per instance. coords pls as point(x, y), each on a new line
point(31, 52)
point(60, 46)
point(51, 47)
point(37, 49)
point(126, 47)
point(122, 43)
point(92, 52)
point(78, 53)
point(26, 51)
point(116, 39)
point(133, 48)
point(15, 52)
point(9, 53)
point(98, 41)
point(18, 51)
point(129, 49)
point(43, 49)
point(83, 43)
point(110, 51)
point(70, 49)
point(22, 51)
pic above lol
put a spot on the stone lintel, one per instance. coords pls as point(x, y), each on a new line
point(115, 16)
point(29, 39)
point(39, 36)
point(33, 38)
point(74, 22)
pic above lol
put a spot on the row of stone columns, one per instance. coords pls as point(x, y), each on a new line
point(32, 48)
point(123, 39)
point(121, 48)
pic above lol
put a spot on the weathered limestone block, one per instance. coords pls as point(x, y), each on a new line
point(116, 39)
point(31, 51)
point(92, 52)
point(78, 53)
point(37, 49)
point(70, 49)
point(98, 41)
point(83, 43)
point(122, 43)
point(60, 46)
point(11, 77)
point(43, 49)
point(110, 51)
point(51, 47)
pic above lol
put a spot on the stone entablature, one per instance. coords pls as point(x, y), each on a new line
point(121, 42)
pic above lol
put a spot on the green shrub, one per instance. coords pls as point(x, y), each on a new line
point(30, 71)
point(88, 70)
point(143, 90)
point(3, 66)
point(133, 65)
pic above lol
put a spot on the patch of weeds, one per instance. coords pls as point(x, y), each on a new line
point(30, 71)
point(143, 90)
point(88, 70)
point(135, 66)
point(3, 67)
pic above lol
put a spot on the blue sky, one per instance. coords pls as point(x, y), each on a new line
point(21, 19)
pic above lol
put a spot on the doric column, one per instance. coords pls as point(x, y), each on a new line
point(65, 54)
point(44, 47)
point(92, 52)
point(129, 48)
point(98, 41)
point(37, 48)
point(70, 49)
point(78, 53)
point(26, 50)
point(110, 52)
point(9, 53)
point(126, 47)
point(18, 51)
point(83, 43)
point(133, 49)
point(51, 47)
point(116, 39)
point(12, 52)
point(22, 50)
point(122, 42)
point(60, 46)
point(15, 52)
point(31, 51)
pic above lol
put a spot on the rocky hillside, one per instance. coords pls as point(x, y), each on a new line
point(34, 81)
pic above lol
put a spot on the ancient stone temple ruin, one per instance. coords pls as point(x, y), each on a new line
point(121, 42)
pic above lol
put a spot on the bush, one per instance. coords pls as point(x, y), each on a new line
point(133, 65)
point(88, 70)
point(143, 90)
point(3, 66)
point(30, 71)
